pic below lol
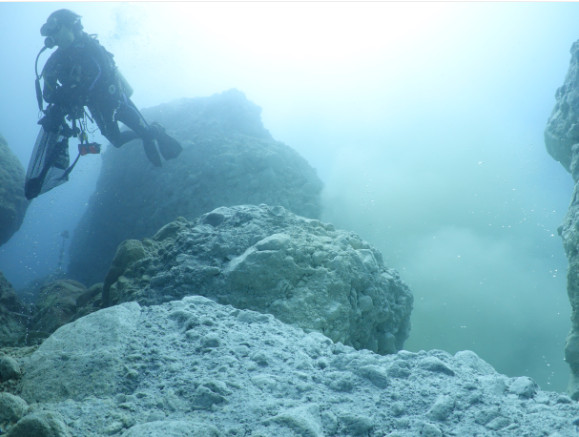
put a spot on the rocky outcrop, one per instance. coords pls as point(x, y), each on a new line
point(228, 159)
point(569, 232)
point(562, 131)
point(13, 320)
point(267, 259)
point(13, 204)
point(196, 368)
point(562, 141)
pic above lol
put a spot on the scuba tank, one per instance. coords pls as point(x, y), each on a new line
point(124, 84)
point(120, 85)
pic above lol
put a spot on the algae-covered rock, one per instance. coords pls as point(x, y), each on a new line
point(9, 368)
point(13, 203)
point(12, 316)
point(12, 408)
point(56, 305)
point(40, 424)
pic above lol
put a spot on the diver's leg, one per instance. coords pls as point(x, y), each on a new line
point(109, 127)
point(168, 146)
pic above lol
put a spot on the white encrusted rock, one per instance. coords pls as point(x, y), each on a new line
point(195, 367)
point(302, 271)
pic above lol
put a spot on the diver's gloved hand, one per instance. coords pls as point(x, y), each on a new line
point(75, 112)
point(66, 96)
point(53, 118)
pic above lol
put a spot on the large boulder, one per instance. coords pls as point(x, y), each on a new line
point(228, 159)
point(13, 203)
point(13, 319)
point(270, 260)
point(196, 368)
point(562, 141)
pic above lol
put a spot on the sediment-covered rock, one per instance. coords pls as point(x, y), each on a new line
point(194, 367)
point(12, 318)
point(270, 260)
point(229, 158)
point(13, 203)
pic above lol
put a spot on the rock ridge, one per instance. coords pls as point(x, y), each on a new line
point(193, 367)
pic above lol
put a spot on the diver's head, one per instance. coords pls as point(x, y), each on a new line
point(61, 28)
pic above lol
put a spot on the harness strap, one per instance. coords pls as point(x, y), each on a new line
point(39, 98)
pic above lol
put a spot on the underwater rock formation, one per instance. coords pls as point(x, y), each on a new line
point(270, 260)
point(13, 204)
point(12, 319)
point(193, 367)
point(569, 232)
point(562, 141)
point(229, 158)
point(55, 305)
point(562, 131)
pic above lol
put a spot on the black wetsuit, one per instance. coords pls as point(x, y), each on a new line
point(85, 74)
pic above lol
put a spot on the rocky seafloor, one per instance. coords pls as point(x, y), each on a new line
point(194, 367)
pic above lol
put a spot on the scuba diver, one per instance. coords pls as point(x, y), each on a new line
point(82, 73)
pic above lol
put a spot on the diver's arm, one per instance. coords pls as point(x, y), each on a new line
point(49, 92)
point(65, 96)
point(68, 96)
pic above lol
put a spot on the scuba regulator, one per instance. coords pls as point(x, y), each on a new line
point(39, 98)
point(49, 43)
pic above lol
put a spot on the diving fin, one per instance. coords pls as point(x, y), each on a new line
point(151, 152)
point(169, 147)
point(48, 163)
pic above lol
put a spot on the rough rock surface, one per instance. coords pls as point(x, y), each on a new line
point(562, 141)
point(569, 232)
point(13, 204)
point(197, 368)
point(55, 305)
point(270, 260)
point(12, 319)
point(562, 131)
point(229, 158)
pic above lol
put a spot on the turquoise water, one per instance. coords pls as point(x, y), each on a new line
point(424, 121)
